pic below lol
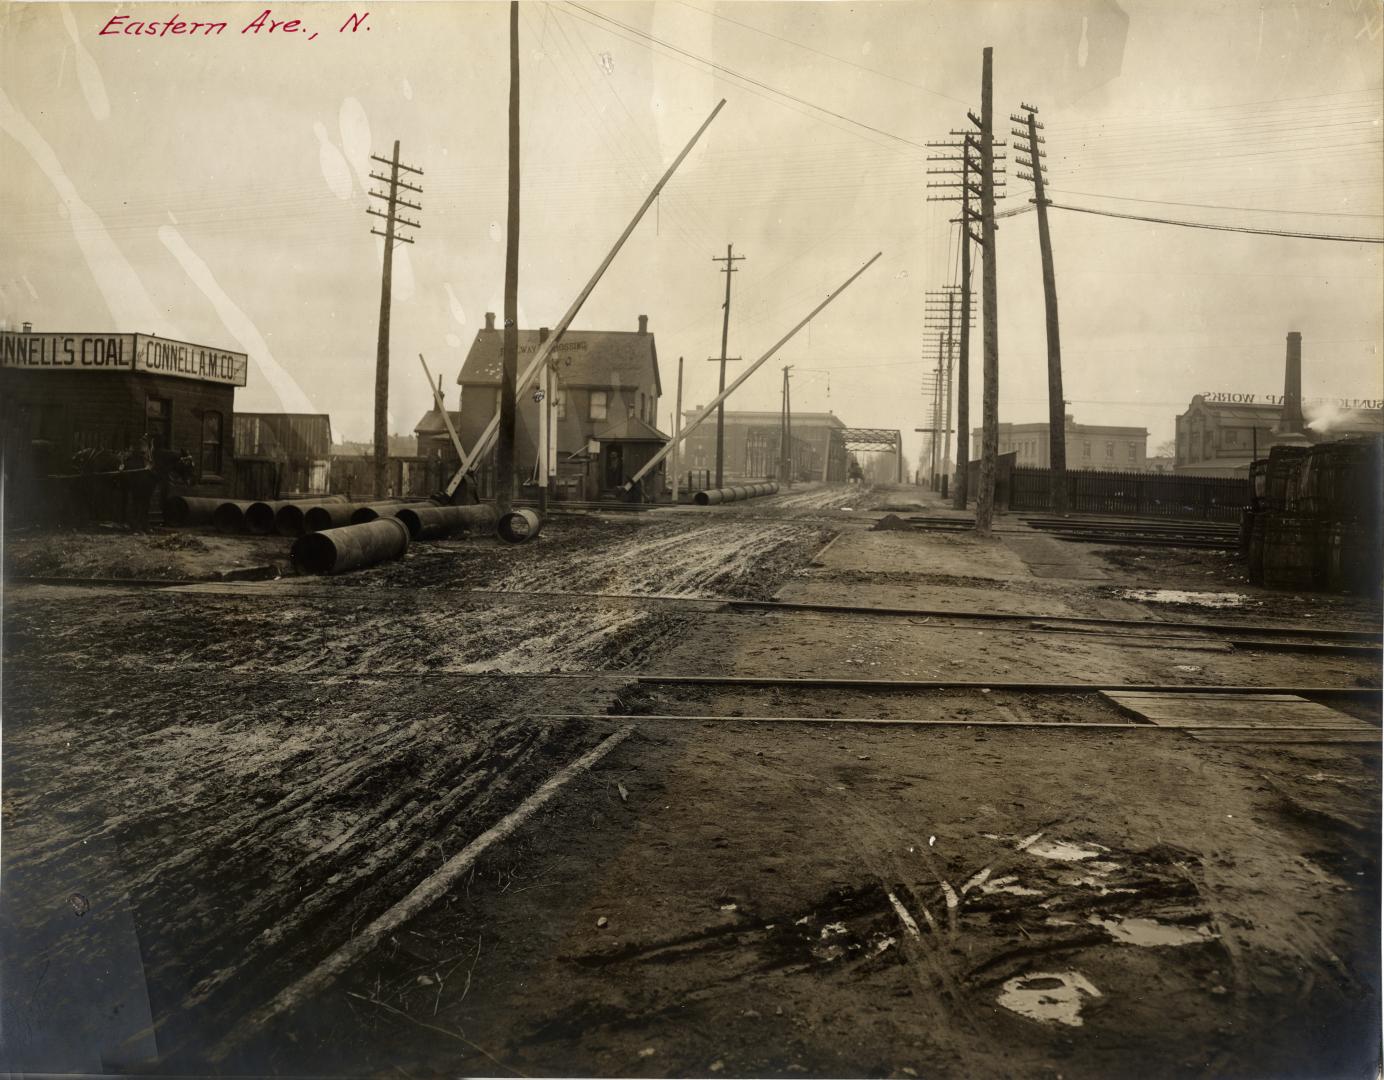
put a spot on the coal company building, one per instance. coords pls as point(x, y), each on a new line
point(66, 392)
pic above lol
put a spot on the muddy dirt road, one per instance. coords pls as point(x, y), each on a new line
point(211, 789)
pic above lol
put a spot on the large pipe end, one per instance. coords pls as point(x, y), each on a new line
point(518, 526)
point(411, 521)
point(314, 553)
point(290, 521)
point(228, 518)
point(259, 518)
point(176, 511)
point(702, 498)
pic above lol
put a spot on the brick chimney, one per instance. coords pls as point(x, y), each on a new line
point(643, 324)
point(28, 327)
point(490, 320)
point(542, 334)
point(1290, 419)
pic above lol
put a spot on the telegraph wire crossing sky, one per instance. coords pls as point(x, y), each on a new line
point(215, 190)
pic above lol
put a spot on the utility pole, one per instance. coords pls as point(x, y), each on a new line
point(487, 436)
point(990, 401)
point(938, 388)
point(947, 378)
point(509, 372)
point(788, 393)
point(392, 222)
point(730, 268)
point(785, 469)
point(1057, 411)
point(677, 430)
point(967, 189)
point(941, 310)
point(652, 463)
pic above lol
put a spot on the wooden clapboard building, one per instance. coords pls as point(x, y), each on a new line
point(604, 409)
point(300, 444)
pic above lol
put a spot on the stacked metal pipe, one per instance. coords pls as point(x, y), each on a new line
point(735, 493)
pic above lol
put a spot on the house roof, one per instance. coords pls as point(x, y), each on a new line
point(630, 429)
point(433, 424)
point(583, 357)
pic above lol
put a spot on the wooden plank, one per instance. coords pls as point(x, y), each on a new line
point(1275, 711)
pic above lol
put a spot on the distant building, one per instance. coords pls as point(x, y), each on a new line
point(1089, 446)
point(753, 441)
point(1221, 433)
point(603, 380)
point(300, 442)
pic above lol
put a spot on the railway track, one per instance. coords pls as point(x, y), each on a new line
point(1278, 637)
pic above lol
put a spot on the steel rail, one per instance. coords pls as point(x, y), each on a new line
point(1099, 725)
point(289, 586)
point(846, 683)
point(1366, 693)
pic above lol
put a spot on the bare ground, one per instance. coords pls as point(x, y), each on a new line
point(209, 789)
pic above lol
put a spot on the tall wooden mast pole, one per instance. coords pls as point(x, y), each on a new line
point(509, 374)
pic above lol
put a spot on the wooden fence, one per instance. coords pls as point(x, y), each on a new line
point(1134, 494)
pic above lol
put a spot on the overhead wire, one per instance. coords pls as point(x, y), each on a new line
point(749, 79)
point(827, 55)
point(1220, 228)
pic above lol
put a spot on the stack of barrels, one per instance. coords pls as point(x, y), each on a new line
point(1316, 519)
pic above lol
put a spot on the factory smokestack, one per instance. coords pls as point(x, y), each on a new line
point(1290, 419)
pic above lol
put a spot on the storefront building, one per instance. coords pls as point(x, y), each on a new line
point(113, 393)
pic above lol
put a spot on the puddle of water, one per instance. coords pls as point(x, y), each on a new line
point(1183, 596)
point(1061, 850)
point(1007, 884)
point(1151, 933)
point(1048, 996)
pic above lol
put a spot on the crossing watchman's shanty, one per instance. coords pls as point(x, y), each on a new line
point(61, 393)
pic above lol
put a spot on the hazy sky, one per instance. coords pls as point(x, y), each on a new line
point(213, 189)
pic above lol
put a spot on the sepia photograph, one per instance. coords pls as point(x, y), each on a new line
point(692, 538)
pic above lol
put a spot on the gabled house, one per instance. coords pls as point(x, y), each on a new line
point(602, 380)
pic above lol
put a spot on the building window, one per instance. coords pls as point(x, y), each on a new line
point(1086, 451)
point(641, 406)
point(599, 400)
point(1232, 437)
point(1109, 450)
point(1133, 452)
point(211, 443)
point(158, 421)
point(560, 404)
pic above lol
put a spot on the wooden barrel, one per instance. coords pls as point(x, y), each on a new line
point(1258, 530)
point(1295, 551)
point(1282, 475)
point(1355, 559)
